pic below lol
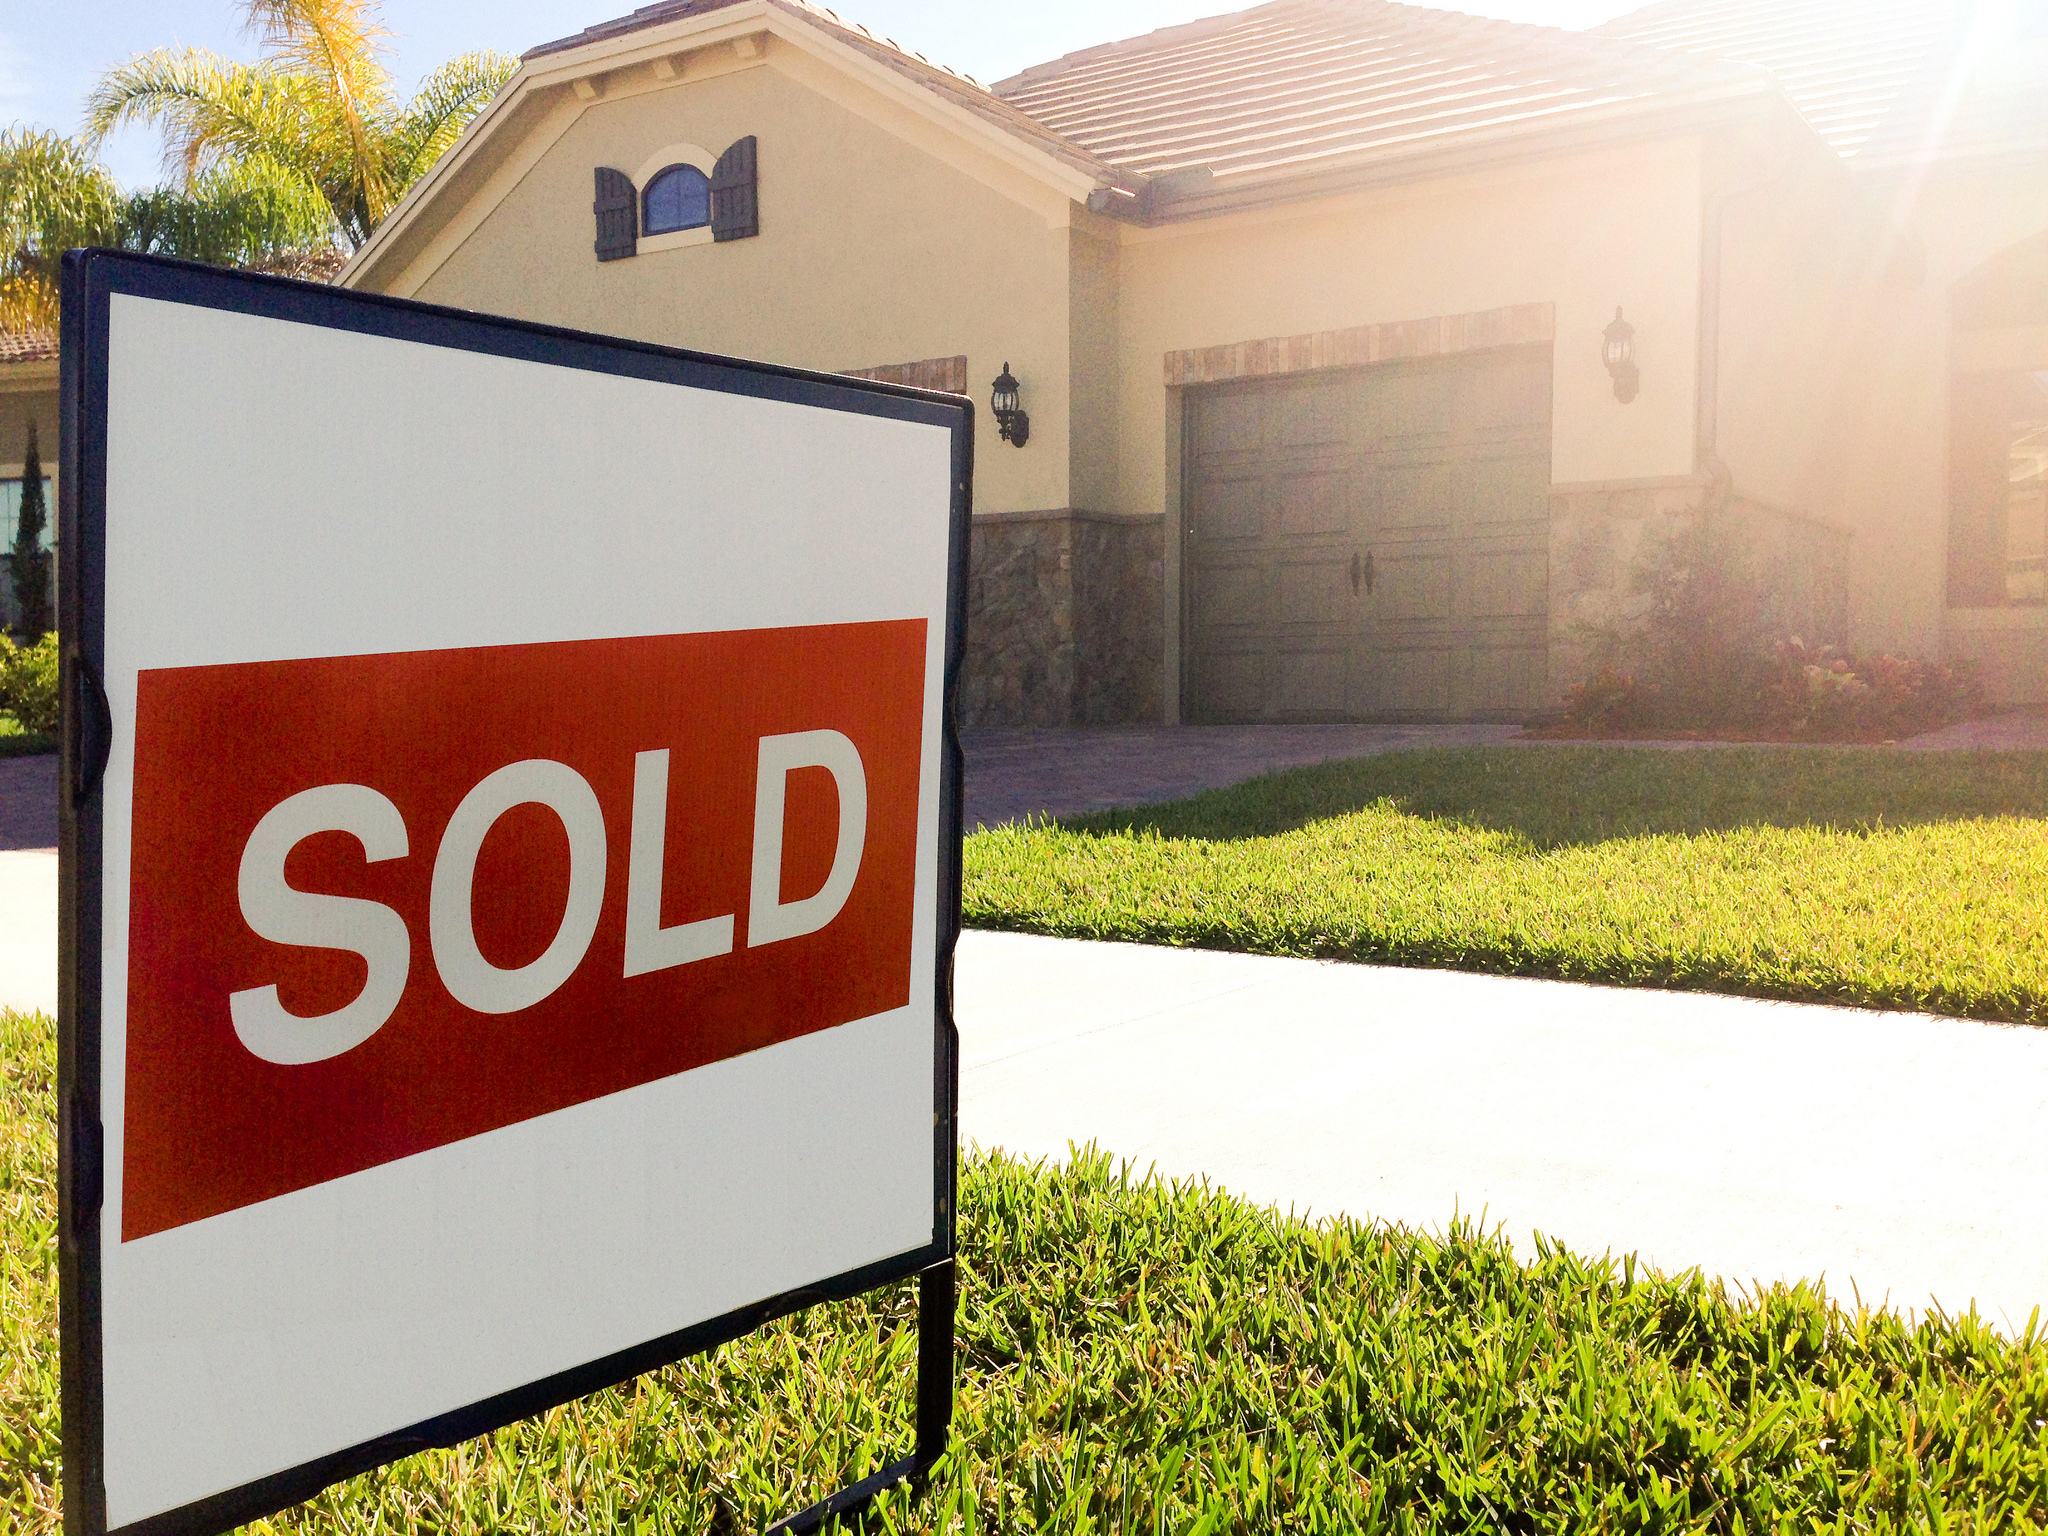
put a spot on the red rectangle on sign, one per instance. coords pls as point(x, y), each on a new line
point(383, 903)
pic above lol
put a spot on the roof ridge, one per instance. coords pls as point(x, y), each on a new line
point(643, 17)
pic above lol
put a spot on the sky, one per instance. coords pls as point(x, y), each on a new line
point(50, 52)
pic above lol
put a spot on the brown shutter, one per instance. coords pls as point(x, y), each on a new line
point(735, 197)
point(618, 215)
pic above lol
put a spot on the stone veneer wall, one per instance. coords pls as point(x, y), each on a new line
point(1065, 619)
point(1607, 539)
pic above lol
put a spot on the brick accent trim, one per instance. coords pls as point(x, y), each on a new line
point(1438, 336)
point(948, 375)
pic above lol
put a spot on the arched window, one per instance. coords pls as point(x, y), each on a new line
point(677, 197)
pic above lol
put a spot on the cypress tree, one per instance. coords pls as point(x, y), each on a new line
point(28, 563)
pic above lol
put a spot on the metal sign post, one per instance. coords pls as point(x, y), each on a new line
point(510, 820)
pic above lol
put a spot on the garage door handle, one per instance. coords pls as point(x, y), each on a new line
point(1354, 573)
point(1361, 569)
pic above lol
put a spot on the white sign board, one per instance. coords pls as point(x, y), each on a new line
point(511, 827)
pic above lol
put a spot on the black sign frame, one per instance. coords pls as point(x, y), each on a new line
point(90, 279)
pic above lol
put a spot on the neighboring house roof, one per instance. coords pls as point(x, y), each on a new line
point(1881, 80)
point(319, 266)
point(1296, 85)
point(28, 346)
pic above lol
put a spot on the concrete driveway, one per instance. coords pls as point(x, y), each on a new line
point(1012, 774)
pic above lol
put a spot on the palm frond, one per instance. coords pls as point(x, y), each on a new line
point(337, 44)
point(215, 113)
point(254, 212)
point(208, 108)
point(442, 107)
point(53, 196)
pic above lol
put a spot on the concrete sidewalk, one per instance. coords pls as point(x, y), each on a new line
point(28, 931)
point(1900, 1154)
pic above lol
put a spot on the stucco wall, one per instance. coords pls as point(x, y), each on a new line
point(871, 251)
point(18, 407)
point(1093, 305)
point(1893, 402)
point(1586, 233)
point(1802, 259)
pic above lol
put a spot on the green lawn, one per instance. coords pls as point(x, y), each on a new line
point(1137, 1358)
point(1888, 879)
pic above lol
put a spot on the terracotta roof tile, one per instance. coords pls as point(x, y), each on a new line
point(1880, 80)
point(1290, 85)
point(27, 346)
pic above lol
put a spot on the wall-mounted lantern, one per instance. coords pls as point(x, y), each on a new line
point(1011, 421)
point(1619, 353)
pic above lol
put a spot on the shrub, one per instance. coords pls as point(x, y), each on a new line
point(1712, 654)
point(1813, 693)
point(28, 683)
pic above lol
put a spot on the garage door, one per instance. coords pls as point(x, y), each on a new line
point(1370, 544)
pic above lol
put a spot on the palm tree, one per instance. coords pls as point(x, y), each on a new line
point(319, 112)
point(54, 195)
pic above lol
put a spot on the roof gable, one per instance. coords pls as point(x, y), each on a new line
point(950, 85)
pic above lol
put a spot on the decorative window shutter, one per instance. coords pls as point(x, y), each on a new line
point(735, 194)
point(618, 215)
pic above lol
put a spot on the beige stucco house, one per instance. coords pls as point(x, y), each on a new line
point(1308, 306)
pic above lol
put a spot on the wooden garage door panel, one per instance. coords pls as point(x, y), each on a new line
point(1506, 680)
point(1404, 404)
point(1410, 587)
point(1311, 682)
point(1313, 413)
point(1430, 480)
point(1228, 423)
point(1315, 592)
point(1313, 501)
point(1503, 583)
point(1407, 497)
point(1415, 681)
point(1234, 684)
point(1234, 597)
point(1512, 392)
point(1229, 506)
point(1508, 490)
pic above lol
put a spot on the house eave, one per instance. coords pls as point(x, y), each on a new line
point(1593, 130)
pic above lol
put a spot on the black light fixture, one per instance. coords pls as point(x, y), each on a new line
point(1619, 353)
point(1011, 421)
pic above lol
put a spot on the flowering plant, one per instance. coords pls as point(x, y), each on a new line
point(1792, 691)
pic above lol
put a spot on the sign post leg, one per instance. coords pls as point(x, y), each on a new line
point(935, 1303)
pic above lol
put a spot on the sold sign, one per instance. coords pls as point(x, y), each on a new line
point(382, 903)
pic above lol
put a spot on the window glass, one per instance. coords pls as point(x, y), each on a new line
point(10, 512)
point(10, 524)
point(1998, 514)
point(677, 198)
